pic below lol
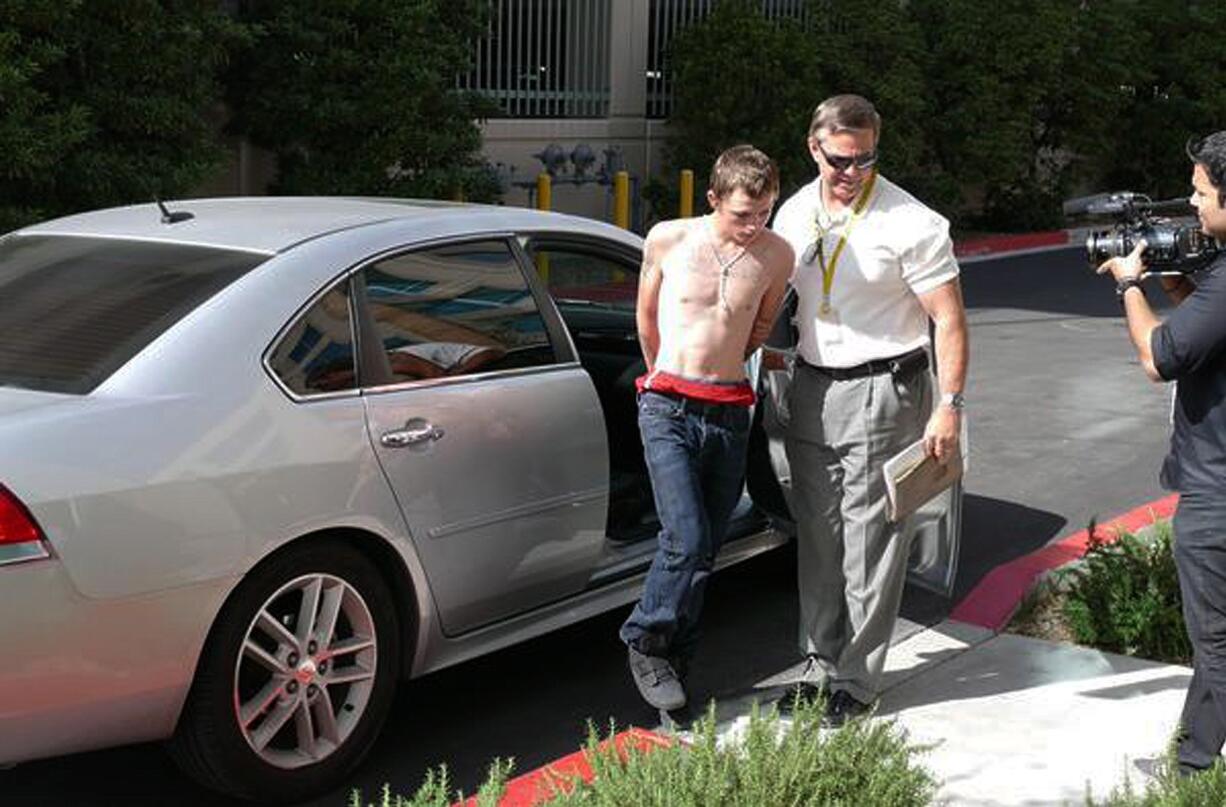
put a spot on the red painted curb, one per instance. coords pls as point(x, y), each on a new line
point(992, 603)
point(1007, 243)
point(539, 786)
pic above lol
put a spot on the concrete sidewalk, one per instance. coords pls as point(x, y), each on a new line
point(1013, 720)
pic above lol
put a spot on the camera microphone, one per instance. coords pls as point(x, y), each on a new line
point(1102, 204)
point(1179, 204)
point(1121, 203)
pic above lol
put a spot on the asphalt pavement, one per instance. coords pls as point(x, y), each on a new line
point(1064, 426)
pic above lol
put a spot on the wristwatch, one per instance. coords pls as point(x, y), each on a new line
point(1125, 284)
point(954, 400)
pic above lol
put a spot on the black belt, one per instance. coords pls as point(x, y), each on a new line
point(912, 361)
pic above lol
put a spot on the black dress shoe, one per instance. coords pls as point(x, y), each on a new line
point(843, 707)
point(800, 695)
point(681, 666)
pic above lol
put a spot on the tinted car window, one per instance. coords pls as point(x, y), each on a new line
point(74, 310)
point(316, 354)
point(454, 310)
point(577, 277)
point(596, 293)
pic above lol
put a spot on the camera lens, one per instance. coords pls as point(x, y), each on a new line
point(1104, 244)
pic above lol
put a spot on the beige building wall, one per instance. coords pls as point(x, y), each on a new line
point(512, 143)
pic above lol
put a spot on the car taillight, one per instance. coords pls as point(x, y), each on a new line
point(20, 536)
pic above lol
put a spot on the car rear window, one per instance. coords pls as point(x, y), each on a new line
point(73, 310)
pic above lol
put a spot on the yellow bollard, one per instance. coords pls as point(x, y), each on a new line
point(457, 193)
point(544, 201)
point(621, 199)
point(542, 266)
point(686, 207)
point(544, 191)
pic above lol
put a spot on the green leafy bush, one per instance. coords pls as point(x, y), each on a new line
point(1068, 98)
point(436, 790)
point(1124, 597)
point(359, 96)
point(865, 762)
point(107, 103)
point(741, 78)
point(738, 78)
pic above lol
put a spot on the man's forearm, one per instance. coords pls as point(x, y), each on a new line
point(952, 349)
point(1141, 324)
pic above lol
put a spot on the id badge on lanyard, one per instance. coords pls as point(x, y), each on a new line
point(827, 313)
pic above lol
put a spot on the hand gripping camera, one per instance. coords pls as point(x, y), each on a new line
point(1172, 247)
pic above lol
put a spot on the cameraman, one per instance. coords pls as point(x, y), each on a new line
point(1190, 348)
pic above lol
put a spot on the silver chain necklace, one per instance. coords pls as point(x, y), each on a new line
point(725, 267)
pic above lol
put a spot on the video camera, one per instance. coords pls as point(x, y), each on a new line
point(1172, 247)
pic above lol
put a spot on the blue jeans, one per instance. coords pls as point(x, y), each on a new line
point(695, 455)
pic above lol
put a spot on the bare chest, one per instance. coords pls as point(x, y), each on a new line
point(698, 277)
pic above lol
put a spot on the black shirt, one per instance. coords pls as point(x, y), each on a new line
point(1190, 348)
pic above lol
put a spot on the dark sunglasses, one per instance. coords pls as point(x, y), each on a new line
point(841, 163)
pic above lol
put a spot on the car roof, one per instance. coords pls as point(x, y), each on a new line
point(269, 225)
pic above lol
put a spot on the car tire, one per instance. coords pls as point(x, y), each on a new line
point(296, 678)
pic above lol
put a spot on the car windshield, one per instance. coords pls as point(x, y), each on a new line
point(76, 309)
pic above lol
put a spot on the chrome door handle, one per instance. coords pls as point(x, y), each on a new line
point(407, 437)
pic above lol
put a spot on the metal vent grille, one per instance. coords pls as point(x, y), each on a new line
point(544, 58)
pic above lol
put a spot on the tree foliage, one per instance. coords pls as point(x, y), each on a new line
point(359, 96)
point(1177, 90)
point(740, 78)
point(105, 103)
point(881, 56)
point(34, 128)
point(993, 112)
point(102, 103)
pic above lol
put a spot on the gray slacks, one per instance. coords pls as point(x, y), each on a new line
point(852, 561)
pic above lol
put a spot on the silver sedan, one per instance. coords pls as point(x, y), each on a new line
point(262, 458)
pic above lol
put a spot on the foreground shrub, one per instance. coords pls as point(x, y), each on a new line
point(770, 762)
point(436, 791)
point(1169, 789)
point(865, 762)
point(1124, 597)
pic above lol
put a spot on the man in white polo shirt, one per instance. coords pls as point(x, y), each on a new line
point(873, 266)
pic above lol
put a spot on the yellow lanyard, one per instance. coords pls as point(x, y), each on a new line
point(820, 235)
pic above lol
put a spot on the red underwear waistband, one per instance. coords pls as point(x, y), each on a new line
point(737, 393)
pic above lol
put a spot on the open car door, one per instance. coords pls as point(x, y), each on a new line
point(936, 527)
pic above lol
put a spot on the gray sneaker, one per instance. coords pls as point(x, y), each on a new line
point(657, 681)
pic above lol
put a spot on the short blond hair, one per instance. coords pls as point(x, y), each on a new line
point(747, 168)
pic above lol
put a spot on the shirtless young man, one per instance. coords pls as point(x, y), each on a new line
point(708, 295)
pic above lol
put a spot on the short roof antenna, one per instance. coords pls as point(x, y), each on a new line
point(173, 217)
